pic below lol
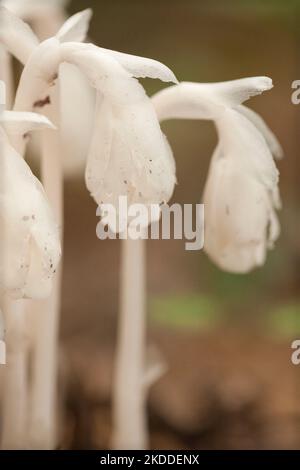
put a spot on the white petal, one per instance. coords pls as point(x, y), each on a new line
point(21, 122)
point(16, 36)
point(241, 191)
point(142, 67)
point(30, 242)
point(240, 196)
point(129, 155)
point(206, 100)
point(237, 209)
point(235, 92)
point(242, 142)
point(76, 27)
point(270, 137)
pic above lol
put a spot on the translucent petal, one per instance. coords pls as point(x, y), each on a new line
point(30, 247)
point(242, 142)
point(270, 137)
point(22, 122)
point(240, 221)
point(235, 92)
point(76, 27)
point(142, 67)
point(129, 155)
point(237, 214)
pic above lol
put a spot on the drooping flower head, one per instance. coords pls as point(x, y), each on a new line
point(30, 246)
point(129, 154)
point(241, 193)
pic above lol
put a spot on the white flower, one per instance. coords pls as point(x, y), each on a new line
point(30, 246)
point(129, 155)
point(241, 192)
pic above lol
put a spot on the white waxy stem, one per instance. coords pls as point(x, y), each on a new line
point(241, 192)
point(129, 394)
point(42, 425)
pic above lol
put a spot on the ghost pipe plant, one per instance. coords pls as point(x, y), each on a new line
point(44, 314)
point(30, 252)
point(128, 155)
point(241, 193)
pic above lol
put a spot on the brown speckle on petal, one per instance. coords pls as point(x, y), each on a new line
point(42, 103)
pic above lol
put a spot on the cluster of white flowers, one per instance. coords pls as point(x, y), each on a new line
point(129, 155)
point(109, 124)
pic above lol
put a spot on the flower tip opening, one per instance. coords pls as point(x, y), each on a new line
point(165, 75)
point(173, 78)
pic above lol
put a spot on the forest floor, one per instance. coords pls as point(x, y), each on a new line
point(225, 390)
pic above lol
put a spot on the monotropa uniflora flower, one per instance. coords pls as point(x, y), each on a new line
point(128, 155)
point(241, 193)
point(30, 247)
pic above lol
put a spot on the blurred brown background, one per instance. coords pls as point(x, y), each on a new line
point(226, 338)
